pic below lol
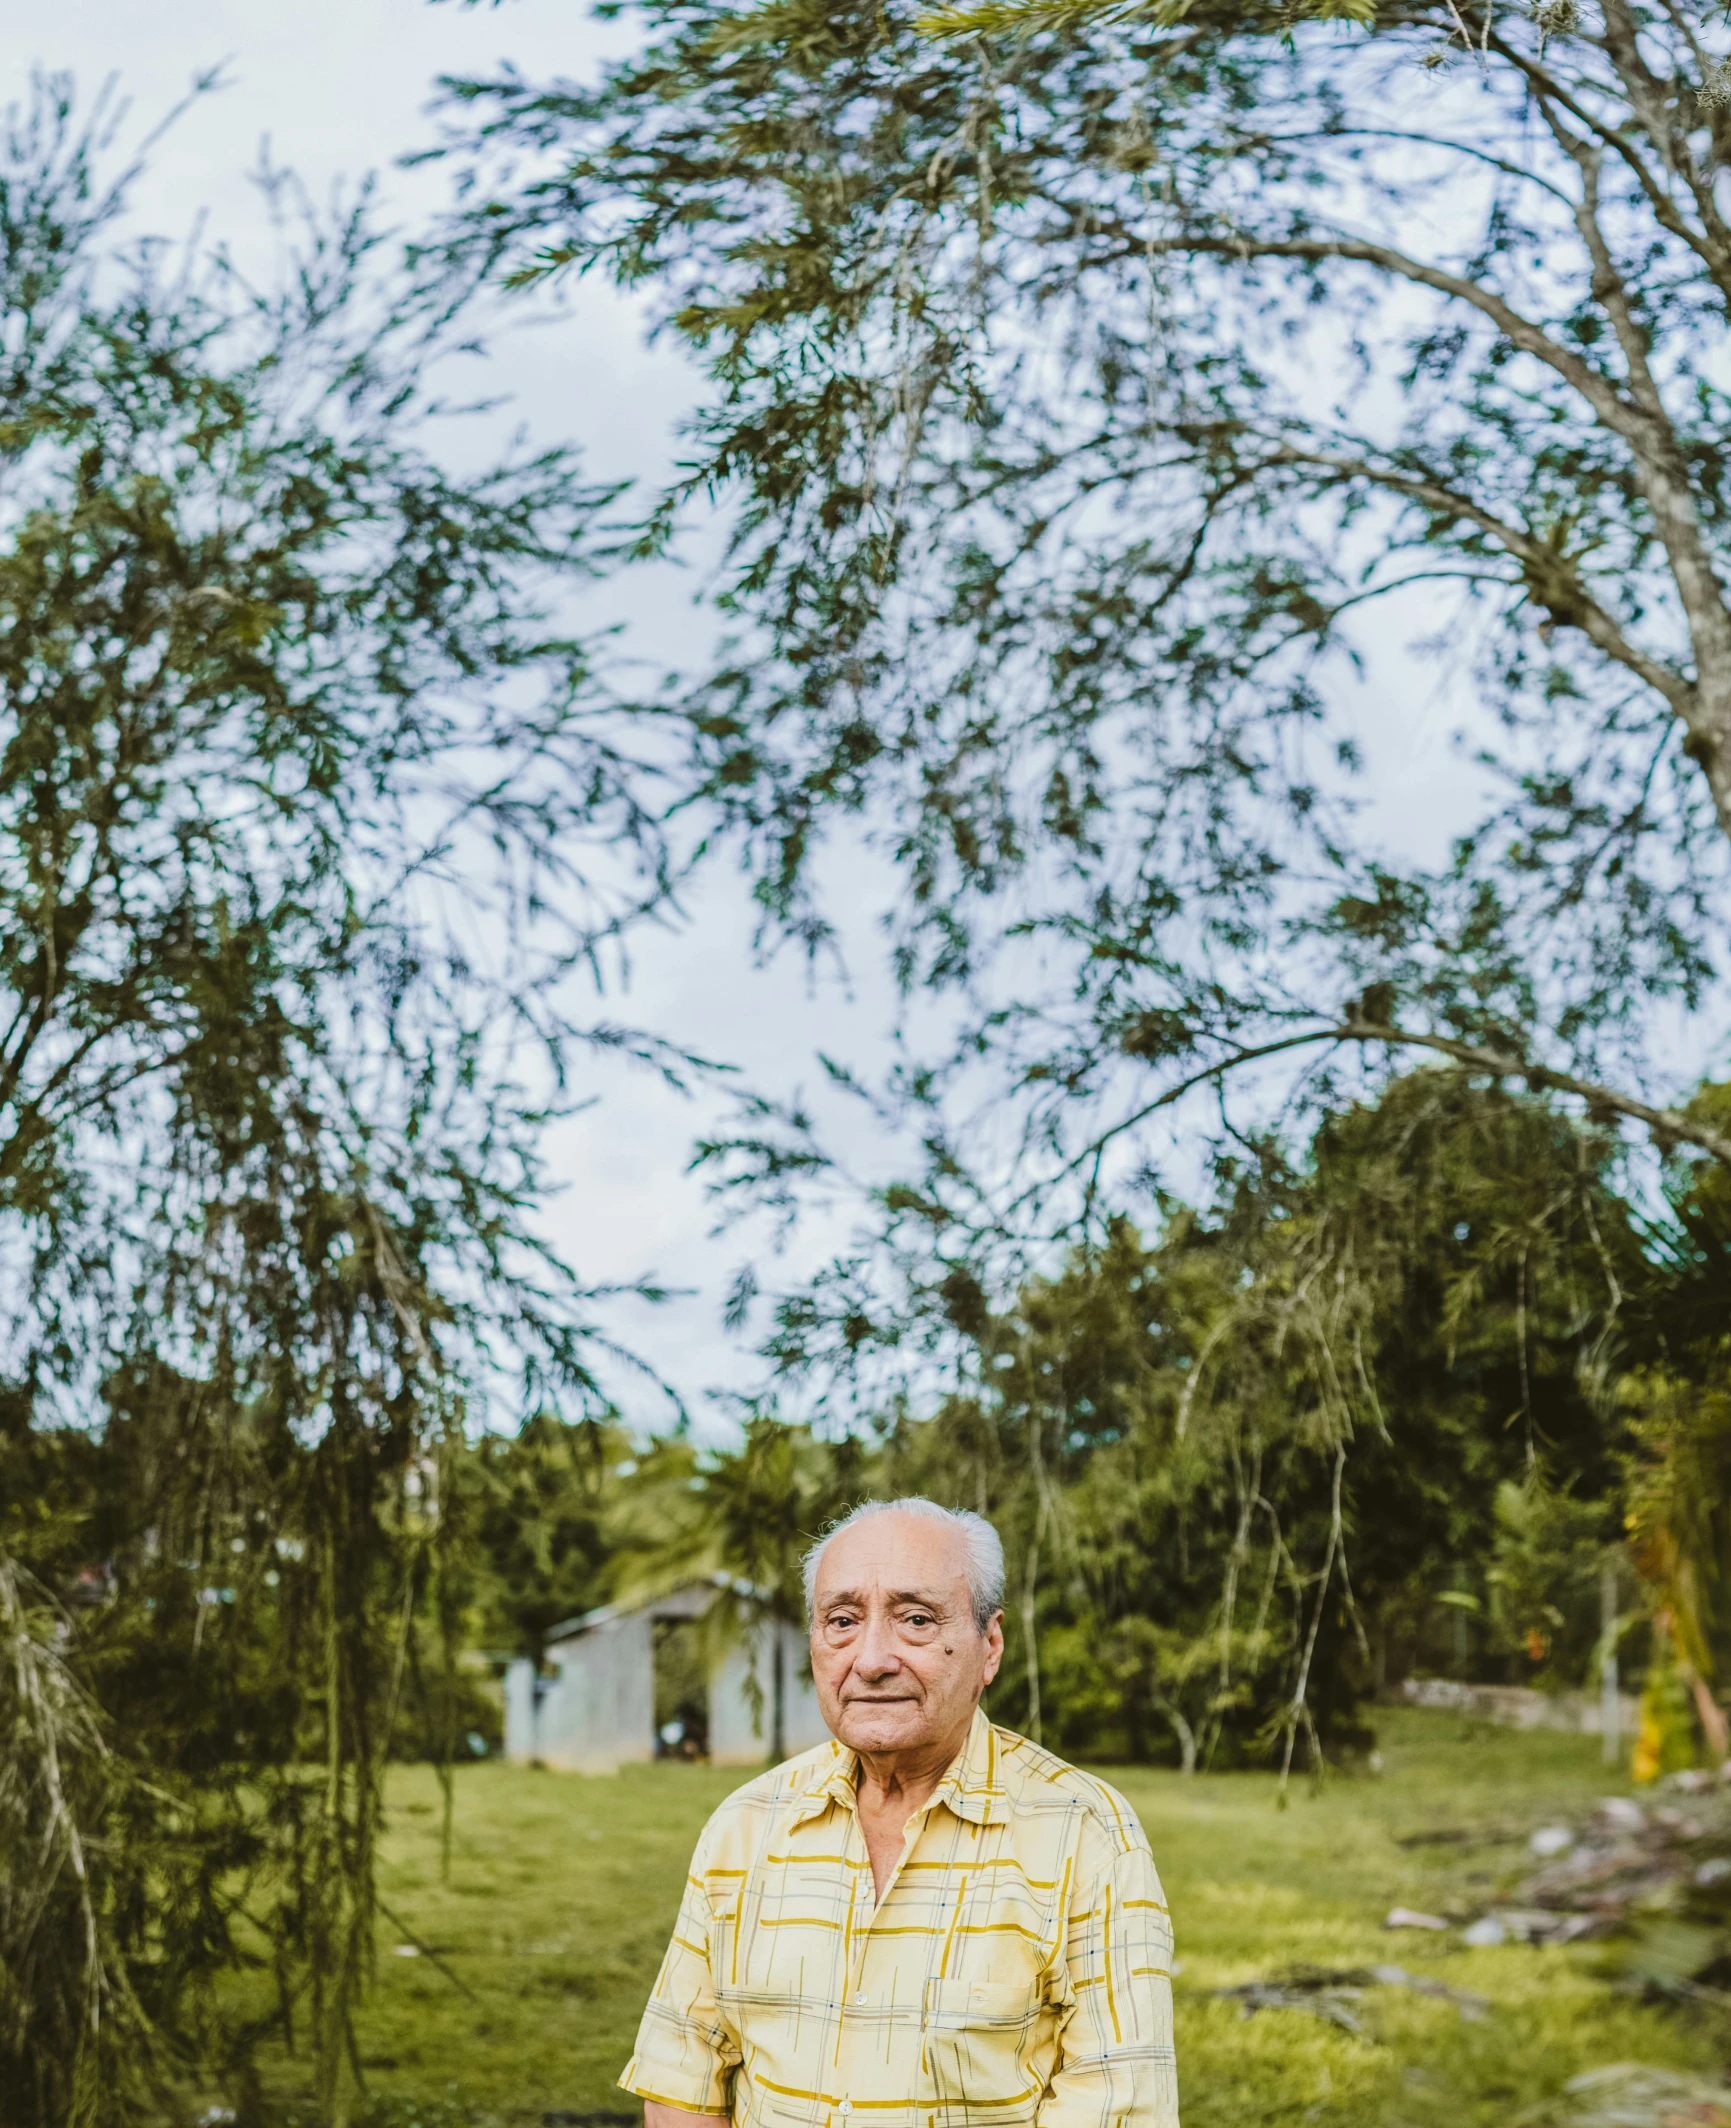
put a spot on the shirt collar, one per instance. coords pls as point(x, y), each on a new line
point(972, 1787)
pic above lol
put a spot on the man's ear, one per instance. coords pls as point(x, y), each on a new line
point(994, 1645)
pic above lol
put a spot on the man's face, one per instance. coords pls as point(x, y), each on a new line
point(898, 1661)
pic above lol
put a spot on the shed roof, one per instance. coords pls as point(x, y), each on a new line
point(689, 1600)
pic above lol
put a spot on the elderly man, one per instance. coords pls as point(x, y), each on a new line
point(929, 1923)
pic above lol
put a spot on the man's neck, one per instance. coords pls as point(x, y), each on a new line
point(890, 1787)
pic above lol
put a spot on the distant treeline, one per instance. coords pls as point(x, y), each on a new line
point(1407, 1405)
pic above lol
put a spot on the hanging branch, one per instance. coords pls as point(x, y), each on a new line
point(1298, 1709)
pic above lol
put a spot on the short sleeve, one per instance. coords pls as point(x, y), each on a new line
point(686, 2052)
point(1116, 2064)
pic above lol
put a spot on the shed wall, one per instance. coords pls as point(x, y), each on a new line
point(734, 1738)
point(596, 1713)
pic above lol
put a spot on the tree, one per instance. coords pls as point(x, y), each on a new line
point(745, 1517)
point(549, 1524)
point(1249, 1466)
point(295, 764)
point(1079, 379)
point(1680, 1424)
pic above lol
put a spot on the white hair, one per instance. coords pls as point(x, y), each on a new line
point(980, 1543)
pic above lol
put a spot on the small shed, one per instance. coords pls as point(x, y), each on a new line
point(592, 1707)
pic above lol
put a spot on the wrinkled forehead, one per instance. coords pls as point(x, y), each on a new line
point(887, 1554)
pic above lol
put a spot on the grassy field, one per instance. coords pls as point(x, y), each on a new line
point(562, 1890)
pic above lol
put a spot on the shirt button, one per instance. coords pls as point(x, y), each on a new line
point(846, 2106)
point(860, 1997)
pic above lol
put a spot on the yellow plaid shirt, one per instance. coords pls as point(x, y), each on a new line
point(1017, 1968)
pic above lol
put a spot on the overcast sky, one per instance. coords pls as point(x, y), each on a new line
point(340, 87)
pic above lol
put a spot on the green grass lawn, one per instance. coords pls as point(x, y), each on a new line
point(562, 1890)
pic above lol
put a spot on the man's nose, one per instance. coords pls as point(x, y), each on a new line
point(877, 1654)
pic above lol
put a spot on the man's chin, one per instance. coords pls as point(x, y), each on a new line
point(878, 1725)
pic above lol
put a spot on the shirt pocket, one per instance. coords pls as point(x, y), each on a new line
point(975, 2041)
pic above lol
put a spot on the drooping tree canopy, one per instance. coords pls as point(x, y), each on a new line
point(1086, 389)
point(1123, 420)
point(1379, 1410)
point(298, 769)
point(1240, 1463)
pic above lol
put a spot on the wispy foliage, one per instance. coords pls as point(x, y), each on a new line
point(1079, 391)
point(69, 2018)
point(302, 782)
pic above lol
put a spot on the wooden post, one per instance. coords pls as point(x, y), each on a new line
point(1462, 1649)
point(1610, 1701)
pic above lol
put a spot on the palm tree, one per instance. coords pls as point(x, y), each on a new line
point(744, 1518)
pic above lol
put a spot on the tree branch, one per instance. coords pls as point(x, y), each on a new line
point(1618, 414)
point(1553, 582)
point(1670, 1124)
point(1709, 243)
point(1663, 1123)
point(1647, 100)
point(1659, 465)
